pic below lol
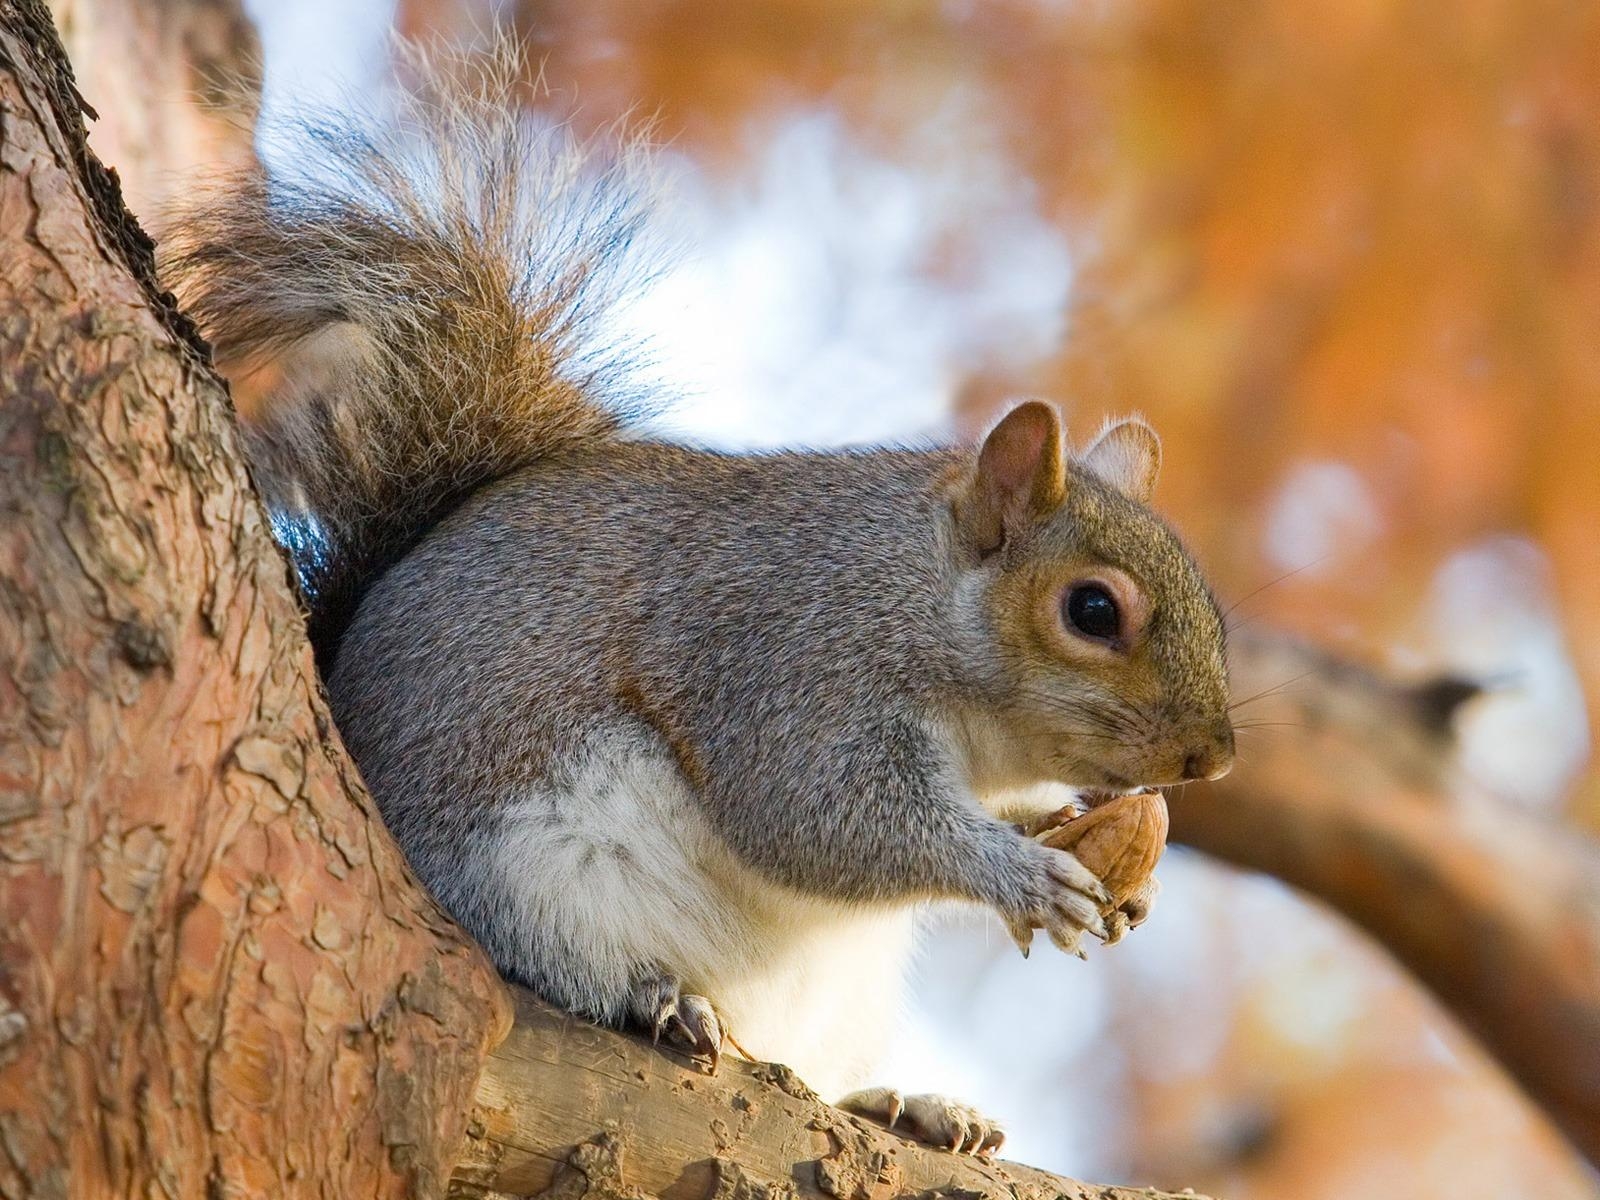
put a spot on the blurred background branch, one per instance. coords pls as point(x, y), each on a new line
point(175, 86)
point(1495, 909)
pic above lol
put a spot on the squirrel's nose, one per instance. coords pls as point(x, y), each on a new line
point(1210, 762)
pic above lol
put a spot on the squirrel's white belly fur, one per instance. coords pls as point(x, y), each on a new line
point(618, 865)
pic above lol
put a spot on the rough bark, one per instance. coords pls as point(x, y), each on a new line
point(1347, 793)
point(565, 1109)
point(216, 975)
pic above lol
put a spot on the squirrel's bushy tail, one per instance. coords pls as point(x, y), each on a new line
point(425, 288)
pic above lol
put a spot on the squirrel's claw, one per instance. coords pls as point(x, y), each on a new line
point(687, 1021)
point(1137, 907)
point(1068, 943)
point(1132, 911)
point(1117, 926)
point(694, 1027)
point(1060, 896)
point(1022, 934)
point(936, 1120)
point(654, 1003)
point(881, 1104)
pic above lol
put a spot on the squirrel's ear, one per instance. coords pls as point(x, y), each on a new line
point(1126, 455)
point(1021, 475)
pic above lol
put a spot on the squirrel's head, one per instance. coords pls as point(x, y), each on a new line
point(1107, 646)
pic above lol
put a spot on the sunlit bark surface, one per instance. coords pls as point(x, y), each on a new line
point(216, 975)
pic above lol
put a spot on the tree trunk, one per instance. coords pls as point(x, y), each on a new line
point(216, 974)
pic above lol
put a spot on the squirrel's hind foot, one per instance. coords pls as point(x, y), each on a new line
point(937, 1120)
point(686, 1021)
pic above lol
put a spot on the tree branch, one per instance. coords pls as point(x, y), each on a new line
point(1351, 797)
point(174, 86)
point(567, 1109)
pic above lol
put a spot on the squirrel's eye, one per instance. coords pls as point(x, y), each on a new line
point(1091, 610)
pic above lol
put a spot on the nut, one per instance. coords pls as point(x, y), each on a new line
point(1120, 841)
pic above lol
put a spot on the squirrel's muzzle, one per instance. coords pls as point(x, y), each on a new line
point(1212, 760)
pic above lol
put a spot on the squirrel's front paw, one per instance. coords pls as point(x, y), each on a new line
point(937, 1120)
point(1059, 895)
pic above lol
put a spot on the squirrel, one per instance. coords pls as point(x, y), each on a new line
point(684, 738)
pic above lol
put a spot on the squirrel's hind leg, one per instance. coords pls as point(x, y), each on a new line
point(688, 1021)
point(937, 1120)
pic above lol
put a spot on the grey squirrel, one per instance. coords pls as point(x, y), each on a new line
point(683, 738)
